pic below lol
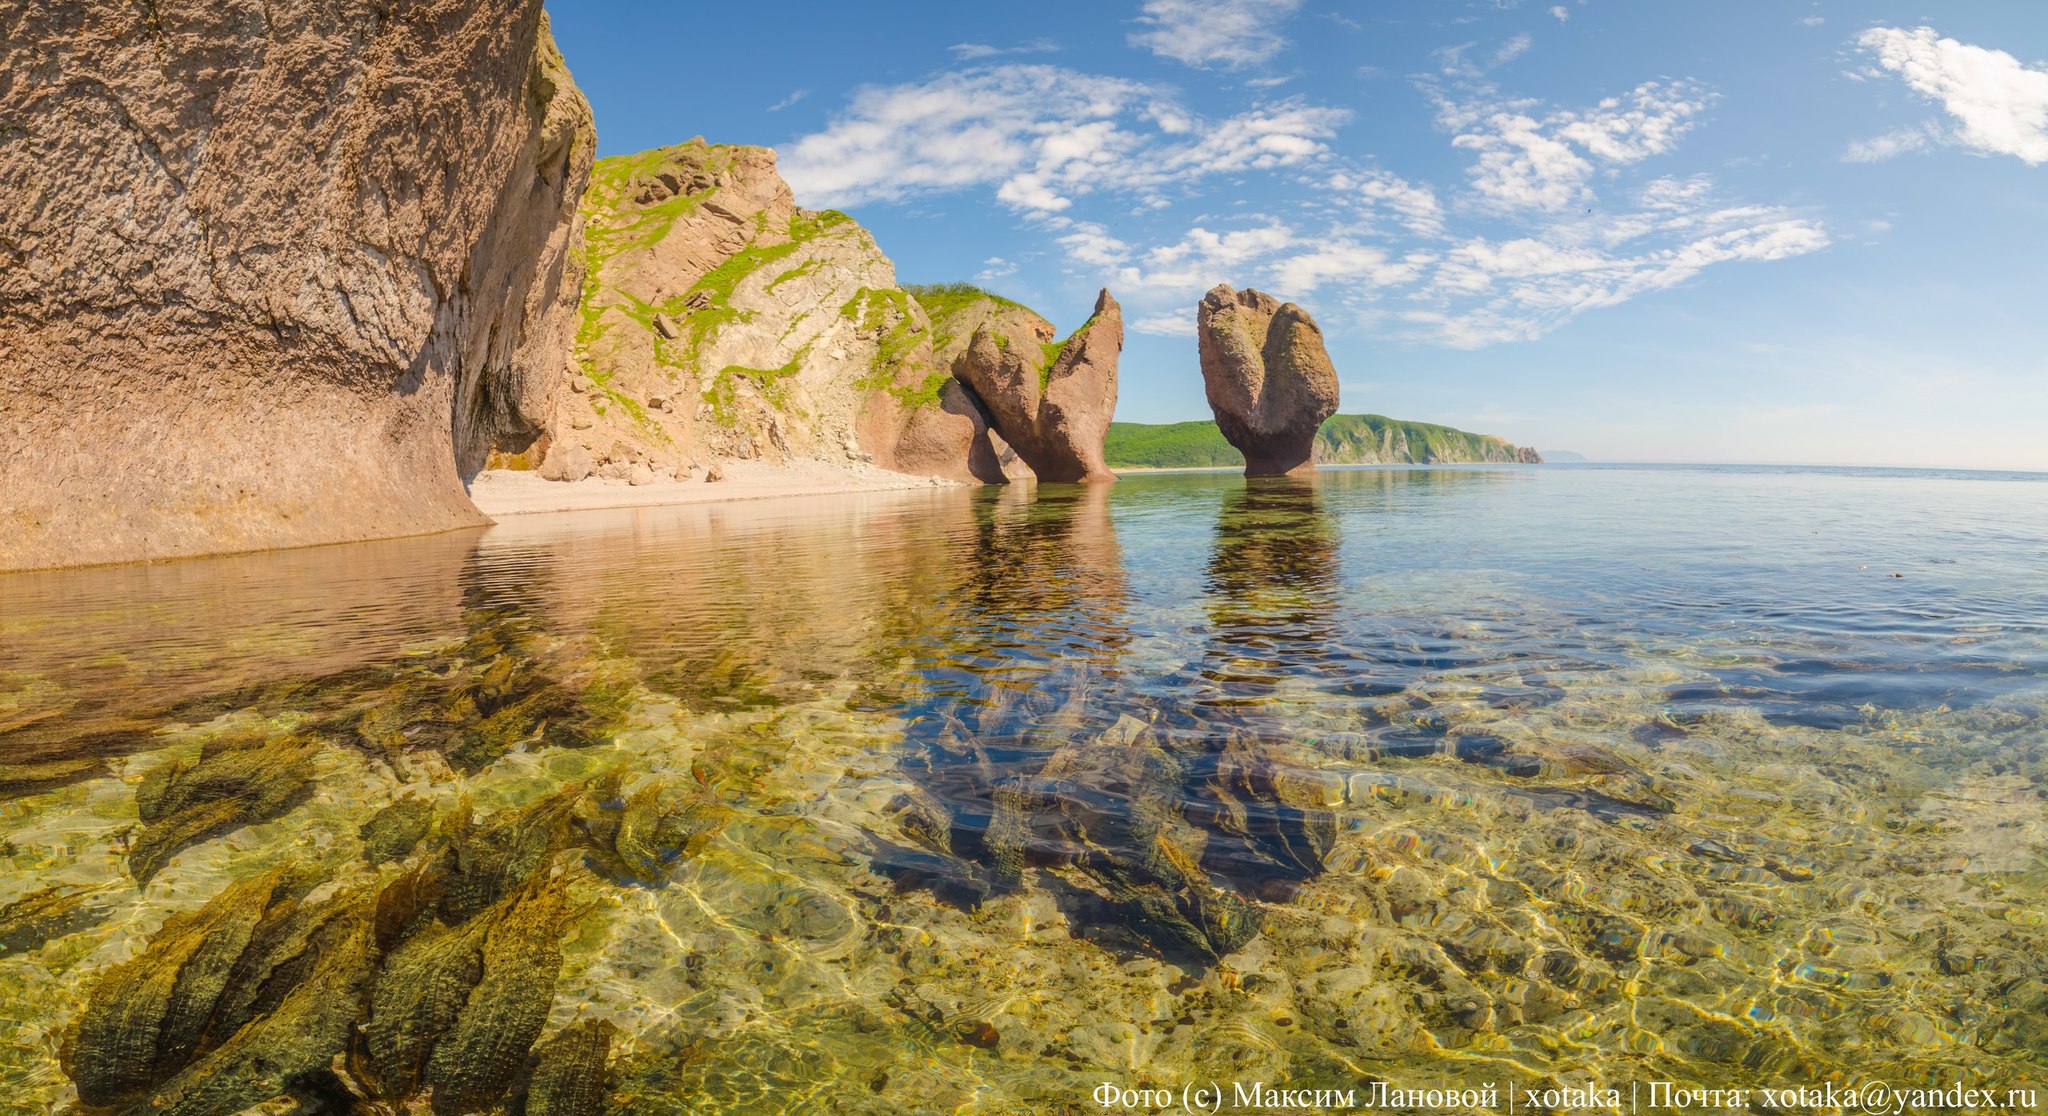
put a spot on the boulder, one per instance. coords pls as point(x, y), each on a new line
point(1268, 378)
point(274, 272)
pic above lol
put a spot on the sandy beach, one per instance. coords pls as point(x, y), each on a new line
point(503, 492)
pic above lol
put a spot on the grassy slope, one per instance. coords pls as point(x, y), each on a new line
point(1343, 439)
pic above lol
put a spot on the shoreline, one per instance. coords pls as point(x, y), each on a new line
point(508, 492)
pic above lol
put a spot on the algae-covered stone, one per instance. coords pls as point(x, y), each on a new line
point(146, 1016)
point(394, 831)
point(293, 1045)
point(475, 1062)
point(570, 1074)
point(235, 782)
point(53, 912)
point(456, 1009)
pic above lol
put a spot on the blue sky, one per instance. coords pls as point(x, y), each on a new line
point(1742, 231)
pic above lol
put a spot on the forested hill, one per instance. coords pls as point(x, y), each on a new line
point(1343, 440)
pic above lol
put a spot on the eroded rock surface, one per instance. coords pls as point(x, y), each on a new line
point(1268, 378)
point(721, 322)
point(276, 273)
point(1051, 402)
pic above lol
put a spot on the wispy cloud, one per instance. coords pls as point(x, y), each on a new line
point(1225, 34)
point(970, 52)
point(1168, 324)
point(1999, 104)
point(1560, 13)
point(793, 98)
point(1041, 136)
point(1890, 145)
point(1561, 210)
point(1546, 161)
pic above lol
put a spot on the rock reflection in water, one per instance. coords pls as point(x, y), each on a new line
point(1131, 808)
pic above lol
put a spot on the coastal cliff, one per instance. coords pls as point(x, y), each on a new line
point(1342, 440)
point(274, 274)
point(721, 322)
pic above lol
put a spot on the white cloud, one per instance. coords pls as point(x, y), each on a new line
point(973, 51)
point(1512, 251)
point(1360, 265)
point(1202, 258)
point(1165, 324)
point(1675, 193)
point(1546, 162)
point(2000, 105)
point(1559, 14)
point(1221, 33)
point(1091, 244)
point(1488, 291)
point(1512, 49)
point(1887, 146)
point(993, 269)
point(1041, 135)
point(1812, 21)
point(793, 98)
point(1416, 206)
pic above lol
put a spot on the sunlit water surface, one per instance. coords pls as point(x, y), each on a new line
point(978, 800)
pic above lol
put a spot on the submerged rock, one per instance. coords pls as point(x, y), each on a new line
point(54, 912)
point(146, 1017)
point(235, 782)
point(570, 1074)
point(1268, 378)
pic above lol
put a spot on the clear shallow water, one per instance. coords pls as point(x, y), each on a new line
point(975, 801)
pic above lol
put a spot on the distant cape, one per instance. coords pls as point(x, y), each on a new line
point(1343, 440)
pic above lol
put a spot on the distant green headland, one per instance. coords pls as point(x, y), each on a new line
point(1343, 440)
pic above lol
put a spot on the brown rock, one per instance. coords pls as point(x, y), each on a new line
point(274, 274)
point(948, 438)
point(1052, 406)
point(1268, 377)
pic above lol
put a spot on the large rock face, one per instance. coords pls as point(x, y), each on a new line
point(1051, 402)
point(721, 322)
point(1268, 378)
point(273, 272)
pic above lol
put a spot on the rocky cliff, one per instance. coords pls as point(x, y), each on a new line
point(719, 321)
point(1342, 440)
point(274, 272)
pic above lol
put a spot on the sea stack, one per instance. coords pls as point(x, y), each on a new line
point(275, 274)
point(1268, 378)
point(1051, 402)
